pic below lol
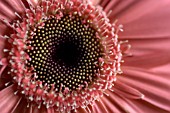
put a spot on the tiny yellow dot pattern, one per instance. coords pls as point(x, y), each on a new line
point(64, 52)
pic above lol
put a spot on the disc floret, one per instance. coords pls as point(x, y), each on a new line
point(41, 37)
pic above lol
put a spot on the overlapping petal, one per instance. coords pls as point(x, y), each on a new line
point(154, 86)
point(147, 29)
point(8, 100)
point(22, 107)
point(146, 25)
point(141, 19)
point(2, 43)
point(149, 53)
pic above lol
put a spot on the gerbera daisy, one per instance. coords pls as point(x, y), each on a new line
point(65, 56)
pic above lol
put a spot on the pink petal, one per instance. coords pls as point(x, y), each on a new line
point(22, 107)
point(149, 54)
point(33, 2)
point(154, 86)
point(3, 28)
point(8, 100)
point(4, 77)
point(2, 69)
point(123, 104)
point(163, 69)
point(9, 7)
point(80, 110)
point(104, 3)
point(4, 73)
point(35, 109)
point(118, 7)
point(50, 110)
point(99, 107)
point(7, 12)
point(141, 106)
point(94, 2)
point(110, 105)
point(126, 91)
point(114, 100)
point(2, 43)
point(141, 19)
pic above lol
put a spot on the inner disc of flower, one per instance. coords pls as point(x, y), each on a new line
point(65, 52)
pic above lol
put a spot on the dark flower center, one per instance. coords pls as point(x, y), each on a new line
point(65, 52)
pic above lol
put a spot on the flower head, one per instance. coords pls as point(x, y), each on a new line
point(65, 56)
point(62, 54)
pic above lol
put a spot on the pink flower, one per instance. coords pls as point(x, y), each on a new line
point(43, 61)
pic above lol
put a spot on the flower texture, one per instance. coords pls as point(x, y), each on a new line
point(61, 56)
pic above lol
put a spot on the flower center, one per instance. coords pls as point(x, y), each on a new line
point(64, 53)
